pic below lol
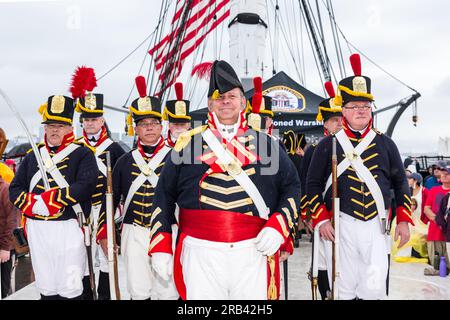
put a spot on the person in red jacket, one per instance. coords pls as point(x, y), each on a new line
point(436, 238)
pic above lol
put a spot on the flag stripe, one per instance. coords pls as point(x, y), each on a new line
point(174, 33)
point(195, 16)
point(180, 11)
point(189, 50)
point(191, 35)
point(205, 16)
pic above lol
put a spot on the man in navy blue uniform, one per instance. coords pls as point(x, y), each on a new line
point(331, 116)
point(369, 166)
point(95, 137)
point(135, 178)
point(238, 195)
point(56, 241)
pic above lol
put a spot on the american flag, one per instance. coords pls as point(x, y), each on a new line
point(192, 22)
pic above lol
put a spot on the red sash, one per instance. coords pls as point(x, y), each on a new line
point(218, 226)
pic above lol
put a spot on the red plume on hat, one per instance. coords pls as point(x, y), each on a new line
point(355, 61)
point(141, 86)
point(179, 90)
point(92, 82)
point(202, 70)
point(329, 88)
point(83, 79)
point(257, 96)
point(257, 84)
point(256, 102)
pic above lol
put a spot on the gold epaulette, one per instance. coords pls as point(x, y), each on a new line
point(376, 131)
point(184, 138)
point(80, 141)
point(38, 146)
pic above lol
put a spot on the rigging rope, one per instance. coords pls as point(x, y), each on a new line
point(161, 19)
point(337, 43)
point(312, 47)
point(126, 57)
point(289, 48)
point(133, 51)
point(276, 38)
point(303, 47)
point(175, 57)
point(151, 69)
point(349, 44)
point(299, 41)
point(327, 63)
point(270, 39)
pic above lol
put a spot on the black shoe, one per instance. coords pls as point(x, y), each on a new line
point(103, 286)
point(322, 283)
point(53, 297)
point(80, 297)
point(87, 290)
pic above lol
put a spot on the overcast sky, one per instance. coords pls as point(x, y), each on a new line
point(41, 43)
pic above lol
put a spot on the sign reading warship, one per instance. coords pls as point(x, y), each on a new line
point(294, 106)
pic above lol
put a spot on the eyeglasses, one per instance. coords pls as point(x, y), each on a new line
point(148, 124)
point(355, 107)
point(230, 97)
point(55, 126)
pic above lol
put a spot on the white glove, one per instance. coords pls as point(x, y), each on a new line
point(39, 207)
point(162, 263)
point(268, 241)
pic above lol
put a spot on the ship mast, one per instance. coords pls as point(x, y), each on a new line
point(248, 32)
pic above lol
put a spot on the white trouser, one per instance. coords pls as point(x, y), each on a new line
point(321, 259)
point(98, 256)
point(223, 271)
point(58, 256)
point(363, 262)
point(142, 281)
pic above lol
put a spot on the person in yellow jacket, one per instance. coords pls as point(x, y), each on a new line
point(5, 172)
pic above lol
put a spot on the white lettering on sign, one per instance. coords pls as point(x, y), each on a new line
point(298, 123)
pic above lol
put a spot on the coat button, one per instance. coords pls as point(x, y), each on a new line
point(231, 245)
